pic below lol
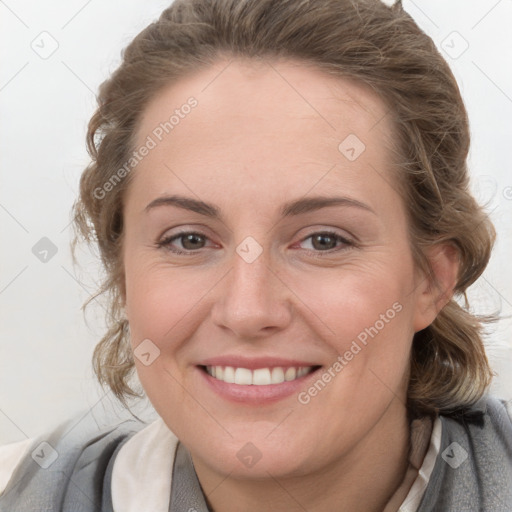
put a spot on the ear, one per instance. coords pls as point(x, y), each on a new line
point(434, 291)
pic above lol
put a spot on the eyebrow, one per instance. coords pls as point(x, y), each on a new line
point(292, 208)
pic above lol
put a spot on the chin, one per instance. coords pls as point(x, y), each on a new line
point(247, 456)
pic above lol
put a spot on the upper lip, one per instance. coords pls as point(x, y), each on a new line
point(254, 362)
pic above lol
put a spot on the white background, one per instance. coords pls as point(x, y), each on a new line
point(45, 104)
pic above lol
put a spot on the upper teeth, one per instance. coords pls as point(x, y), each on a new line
point(259, 377)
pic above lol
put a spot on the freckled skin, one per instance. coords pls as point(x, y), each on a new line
point(251, 144)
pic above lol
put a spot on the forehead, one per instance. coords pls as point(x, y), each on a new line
point(246, 87)
point(262, 121)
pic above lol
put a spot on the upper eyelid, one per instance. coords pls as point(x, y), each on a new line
point(204, 230)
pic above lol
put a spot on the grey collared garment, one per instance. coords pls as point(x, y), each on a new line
point(472, 473)
point(186, 493)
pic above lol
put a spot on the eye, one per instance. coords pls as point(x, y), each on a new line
point(326, 241)
point(190, 240)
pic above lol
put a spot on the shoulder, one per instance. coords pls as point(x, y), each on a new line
point(499, 412)
point(75, 449)
point(473, 470)
point(489, 420)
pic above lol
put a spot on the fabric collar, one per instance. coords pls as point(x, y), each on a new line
point(142, 472)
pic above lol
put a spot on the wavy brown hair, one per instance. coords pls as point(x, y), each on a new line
point(366, 40)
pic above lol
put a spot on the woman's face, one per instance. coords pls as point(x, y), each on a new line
point(257, 269)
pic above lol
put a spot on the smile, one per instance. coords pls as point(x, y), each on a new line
point(259, 376)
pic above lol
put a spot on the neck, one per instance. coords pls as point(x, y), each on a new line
point(365, 478)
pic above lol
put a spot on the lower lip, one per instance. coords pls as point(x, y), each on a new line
point(256, 395)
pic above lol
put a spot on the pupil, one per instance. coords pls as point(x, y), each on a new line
point(323, 237)
point(191, 238)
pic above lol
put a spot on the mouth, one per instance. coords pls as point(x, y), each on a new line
point(259, 376)
point(261, 386)
point(257, 380)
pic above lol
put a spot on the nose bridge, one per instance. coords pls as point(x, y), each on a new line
point(253, 299)
point(251, 272)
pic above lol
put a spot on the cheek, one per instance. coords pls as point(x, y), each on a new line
point(159, 298)
point(351, 301)
point(368, 317)
point(162, 308)
point(167, 307)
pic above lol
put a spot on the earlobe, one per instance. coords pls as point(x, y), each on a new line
point(436, 289)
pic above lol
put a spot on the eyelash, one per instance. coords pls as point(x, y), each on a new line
point(166, 242)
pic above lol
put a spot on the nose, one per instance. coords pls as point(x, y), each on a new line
point(252, 301)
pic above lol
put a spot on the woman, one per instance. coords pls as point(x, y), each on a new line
point(280, 197)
